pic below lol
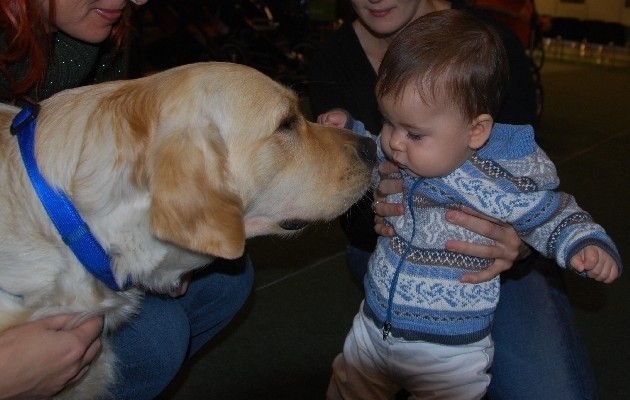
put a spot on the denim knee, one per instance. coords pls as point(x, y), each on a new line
point(539, 353)
point(150, 349)
point(153, 346)
point(215, 296)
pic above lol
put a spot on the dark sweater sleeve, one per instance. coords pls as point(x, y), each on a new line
point(341, 76)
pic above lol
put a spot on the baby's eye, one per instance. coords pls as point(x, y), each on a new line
point(387, 122)
point(415, 136)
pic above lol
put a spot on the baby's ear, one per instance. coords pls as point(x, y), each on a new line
point(480, 129)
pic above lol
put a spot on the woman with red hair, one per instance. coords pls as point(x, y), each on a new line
point(47, 46)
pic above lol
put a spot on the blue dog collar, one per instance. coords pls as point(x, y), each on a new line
point(73, 230)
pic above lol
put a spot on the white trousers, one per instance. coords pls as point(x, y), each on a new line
point(371, 368)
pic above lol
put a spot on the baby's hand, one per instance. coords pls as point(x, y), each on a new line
point(597, 263)
point(336, 118)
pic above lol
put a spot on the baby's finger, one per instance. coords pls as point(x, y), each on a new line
point(577, 264)
point(613, 275)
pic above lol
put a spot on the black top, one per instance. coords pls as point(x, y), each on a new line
point(73, 63)
point(342, 76)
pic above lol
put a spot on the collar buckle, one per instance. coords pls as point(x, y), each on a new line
point(24, 117)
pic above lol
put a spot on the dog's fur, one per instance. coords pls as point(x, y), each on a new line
point(169, 171)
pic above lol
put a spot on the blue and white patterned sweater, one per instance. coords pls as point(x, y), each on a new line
point(412, 285)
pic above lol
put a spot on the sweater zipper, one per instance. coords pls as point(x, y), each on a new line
point(387, 325)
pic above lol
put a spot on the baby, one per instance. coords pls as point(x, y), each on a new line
point(419, 327)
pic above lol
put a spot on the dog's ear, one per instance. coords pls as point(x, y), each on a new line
point(191, 203)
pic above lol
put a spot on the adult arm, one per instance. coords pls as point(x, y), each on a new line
point(38, 359)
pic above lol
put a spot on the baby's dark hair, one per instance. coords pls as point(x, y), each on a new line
point(455, 60)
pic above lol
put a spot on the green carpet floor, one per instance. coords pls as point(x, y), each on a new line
point(282, 343)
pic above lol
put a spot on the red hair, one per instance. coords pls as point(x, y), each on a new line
point(27, 33)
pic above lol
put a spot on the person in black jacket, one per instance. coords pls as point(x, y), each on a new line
point(533, 312)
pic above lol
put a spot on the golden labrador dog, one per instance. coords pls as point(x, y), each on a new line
point(168, 172)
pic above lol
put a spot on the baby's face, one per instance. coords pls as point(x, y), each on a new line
point(425, 141)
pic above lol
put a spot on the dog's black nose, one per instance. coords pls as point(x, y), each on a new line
point(293, 224)
point(367, 151)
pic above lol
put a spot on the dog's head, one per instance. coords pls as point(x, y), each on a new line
point(226, 154)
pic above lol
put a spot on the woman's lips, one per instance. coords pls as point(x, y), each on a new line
point(379, 13)
point(110, 15)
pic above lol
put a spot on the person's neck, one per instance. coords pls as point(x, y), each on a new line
point(375, 45)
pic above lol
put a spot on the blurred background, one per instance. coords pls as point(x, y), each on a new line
point(278, 36)
point(282, 343)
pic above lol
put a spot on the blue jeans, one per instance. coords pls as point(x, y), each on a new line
point(538, 350)
point(152, 347)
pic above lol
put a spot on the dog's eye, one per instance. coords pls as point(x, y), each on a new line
point(288, 123)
